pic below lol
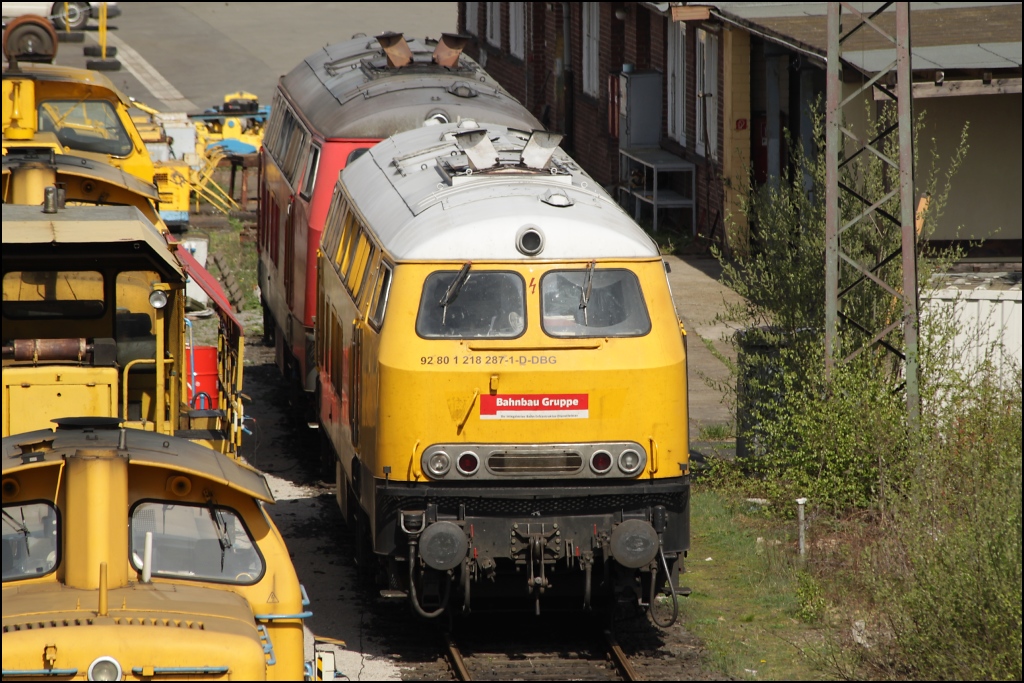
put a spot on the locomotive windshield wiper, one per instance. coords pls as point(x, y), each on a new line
point(20, 527)
point(221, 529)
point(452, 293)
point(588, 285)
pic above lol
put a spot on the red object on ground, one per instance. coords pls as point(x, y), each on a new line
point(205, 378)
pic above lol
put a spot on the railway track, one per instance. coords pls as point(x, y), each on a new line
point(585, 657)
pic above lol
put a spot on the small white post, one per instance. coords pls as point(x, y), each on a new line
point(800, 503)
point(147, 558)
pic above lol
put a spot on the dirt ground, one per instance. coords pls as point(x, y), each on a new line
point(347, 617)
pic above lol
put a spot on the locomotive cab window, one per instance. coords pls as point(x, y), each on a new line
point(52, 294)
point(200, 542)
point(86, 126)
point(466, 304)
point(593, 302)
point(31, 540)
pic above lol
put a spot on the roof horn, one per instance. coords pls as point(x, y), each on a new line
point(448, 49)
point(396, 49)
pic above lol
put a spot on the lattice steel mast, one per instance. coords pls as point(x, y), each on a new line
point(837, 132)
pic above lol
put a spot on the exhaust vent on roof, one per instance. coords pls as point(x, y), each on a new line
point(478, 148)
point(539, 148)
point(396, 49)
point(448, 49)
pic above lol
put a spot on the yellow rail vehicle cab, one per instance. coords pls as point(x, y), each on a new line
point(129, 555)
point(72, 111)
point(503, 376)
point(94, 325)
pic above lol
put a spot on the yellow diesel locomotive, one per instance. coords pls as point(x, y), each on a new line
point(502, 375)
point(129, 555)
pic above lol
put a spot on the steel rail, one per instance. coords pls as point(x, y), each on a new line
point(620, 659)
point(458, 664)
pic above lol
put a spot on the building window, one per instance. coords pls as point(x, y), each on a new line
point(517, 29)
point(676, 63)
point(591, 48)
point(707, 94)
point(494, 23)
point(472, 17)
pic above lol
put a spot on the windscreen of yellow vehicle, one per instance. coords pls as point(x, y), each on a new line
point(86, 126)
point(53, 294)
point(200, 542)
point(593, 302)
point(471, 304)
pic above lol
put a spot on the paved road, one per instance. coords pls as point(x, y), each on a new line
point(200, 51)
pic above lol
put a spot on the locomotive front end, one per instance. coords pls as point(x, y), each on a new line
point(550, 438)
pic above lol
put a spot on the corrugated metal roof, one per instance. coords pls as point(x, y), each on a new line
point(402, 189)
point(84, 225)
point(945, 35)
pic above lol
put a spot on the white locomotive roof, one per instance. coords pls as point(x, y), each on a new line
point(423, 201)
point(347, 90)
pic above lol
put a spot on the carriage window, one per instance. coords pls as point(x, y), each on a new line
point(86, 125)
point(357, 268)
point(52, 294)
point(593, 302)
point(202, 542)
point(291, 162)
point(380, 302)
point(332, 228)
point(349, 238)
point(272, 134)
point(31, 540)
point(283, 141)
point(488, 304)
point(312, 165)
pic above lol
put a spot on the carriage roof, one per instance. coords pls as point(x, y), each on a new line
point(39, 448)
point(347, 90)
point(422, 199)
point(78, 226)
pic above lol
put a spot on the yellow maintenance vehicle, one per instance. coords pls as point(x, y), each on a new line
point(129, 555)
point(74, 112)
point(94, 325)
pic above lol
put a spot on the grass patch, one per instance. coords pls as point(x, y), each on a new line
point(716, 432)
point(746, 602)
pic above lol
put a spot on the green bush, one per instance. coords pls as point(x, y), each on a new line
point(948, 575)
point(840, 441)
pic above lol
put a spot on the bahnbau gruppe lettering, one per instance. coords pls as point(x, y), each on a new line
point(529, 402)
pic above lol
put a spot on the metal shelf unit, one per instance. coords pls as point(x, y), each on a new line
point(644, 178)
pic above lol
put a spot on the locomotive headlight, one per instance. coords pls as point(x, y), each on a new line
point(629, 461)
point(104, 669)
point(439, 463)
point(468, 463)
point(157, 298)
point(601, 462)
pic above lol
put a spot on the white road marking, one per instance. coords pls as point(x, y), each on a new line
point(147, 74)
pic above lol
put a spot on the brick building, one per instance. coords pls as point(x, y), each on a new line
point(703, 98)
point(564, 60)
